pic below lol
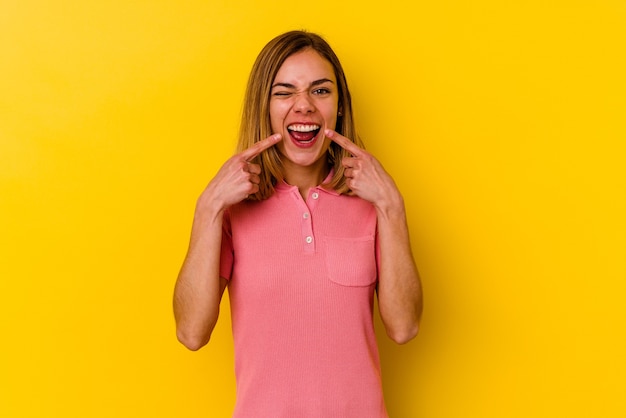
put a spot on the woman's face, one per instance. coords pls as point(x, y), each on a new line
point(304, 100)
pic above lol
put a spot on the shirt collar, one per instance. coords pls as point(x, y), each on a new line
point(283, 186)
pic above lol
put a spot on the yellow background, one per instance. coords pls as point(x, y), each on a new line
point(503, 123)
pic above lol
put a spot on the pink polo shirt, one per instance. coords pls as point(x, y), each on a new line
point(302, 279)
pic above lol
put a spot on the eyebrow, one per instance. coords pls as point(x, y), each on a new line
point(313, 83)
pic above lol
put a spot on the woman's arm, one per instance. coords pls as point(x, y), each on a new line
point(399, 286)
point(199, 289)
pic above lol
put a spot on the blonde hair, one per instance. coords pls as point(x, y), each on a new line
point(255, 120)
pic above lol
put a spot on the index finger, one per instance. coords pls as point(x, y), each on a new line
point(344, 142)
point(260, 146)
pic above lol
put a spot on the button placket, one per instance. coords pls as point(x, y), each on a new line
point(306, 221)
point(307, 217)
point(307, 232)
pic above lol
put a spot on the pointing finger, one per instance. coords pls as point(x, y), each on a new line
point(344, 142)
point(260, 146)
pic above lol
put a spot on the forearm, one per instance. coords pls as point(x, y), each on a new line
point(399, 287)
point(198, 290)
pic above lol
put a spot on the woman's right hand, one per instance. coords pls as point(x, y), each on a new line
point(236, 179)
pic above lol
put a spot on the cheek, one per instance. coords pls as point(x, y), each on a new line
point(278, 112)
point(330, 115)
point(331, 120)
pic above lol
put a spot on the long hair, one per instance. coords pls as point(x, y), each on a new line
point(255, 120)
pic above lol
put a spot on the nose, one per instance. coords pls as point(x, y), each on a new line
point(303, 103)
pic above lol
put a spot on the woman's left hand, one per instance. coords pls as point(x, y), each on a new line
point(365, 176)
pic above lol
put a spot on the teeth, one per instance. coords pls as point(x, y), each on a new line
point(303, 128)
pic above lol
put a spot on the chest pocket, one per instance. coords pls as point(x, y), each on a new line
point(351, 261)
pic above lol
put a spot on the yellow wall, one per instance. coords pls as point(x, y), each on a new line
point(503, 123)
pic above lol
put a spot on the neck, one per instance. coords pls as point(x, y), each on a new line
point(306, 177)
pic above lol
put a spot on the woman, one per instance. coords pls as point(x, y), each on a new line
point(303, 226)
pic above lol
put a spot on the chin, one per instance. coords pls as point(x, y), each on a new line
point(304, 161)
point(305, 157)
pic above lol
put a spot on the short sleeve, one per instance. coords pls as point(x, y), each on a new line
point(226, 253)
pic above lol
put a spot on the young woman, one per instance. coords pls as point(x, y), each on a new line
point(303, 226)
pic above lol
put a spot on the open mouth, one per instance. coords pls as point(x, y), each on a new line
point(303, 134)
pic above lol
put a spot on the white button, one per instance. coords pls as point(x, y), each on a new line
point(309, 240)
point(315, 195)
point(305, 215)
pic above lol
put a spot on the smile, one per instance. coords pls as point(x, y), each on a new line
point(303, 135)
